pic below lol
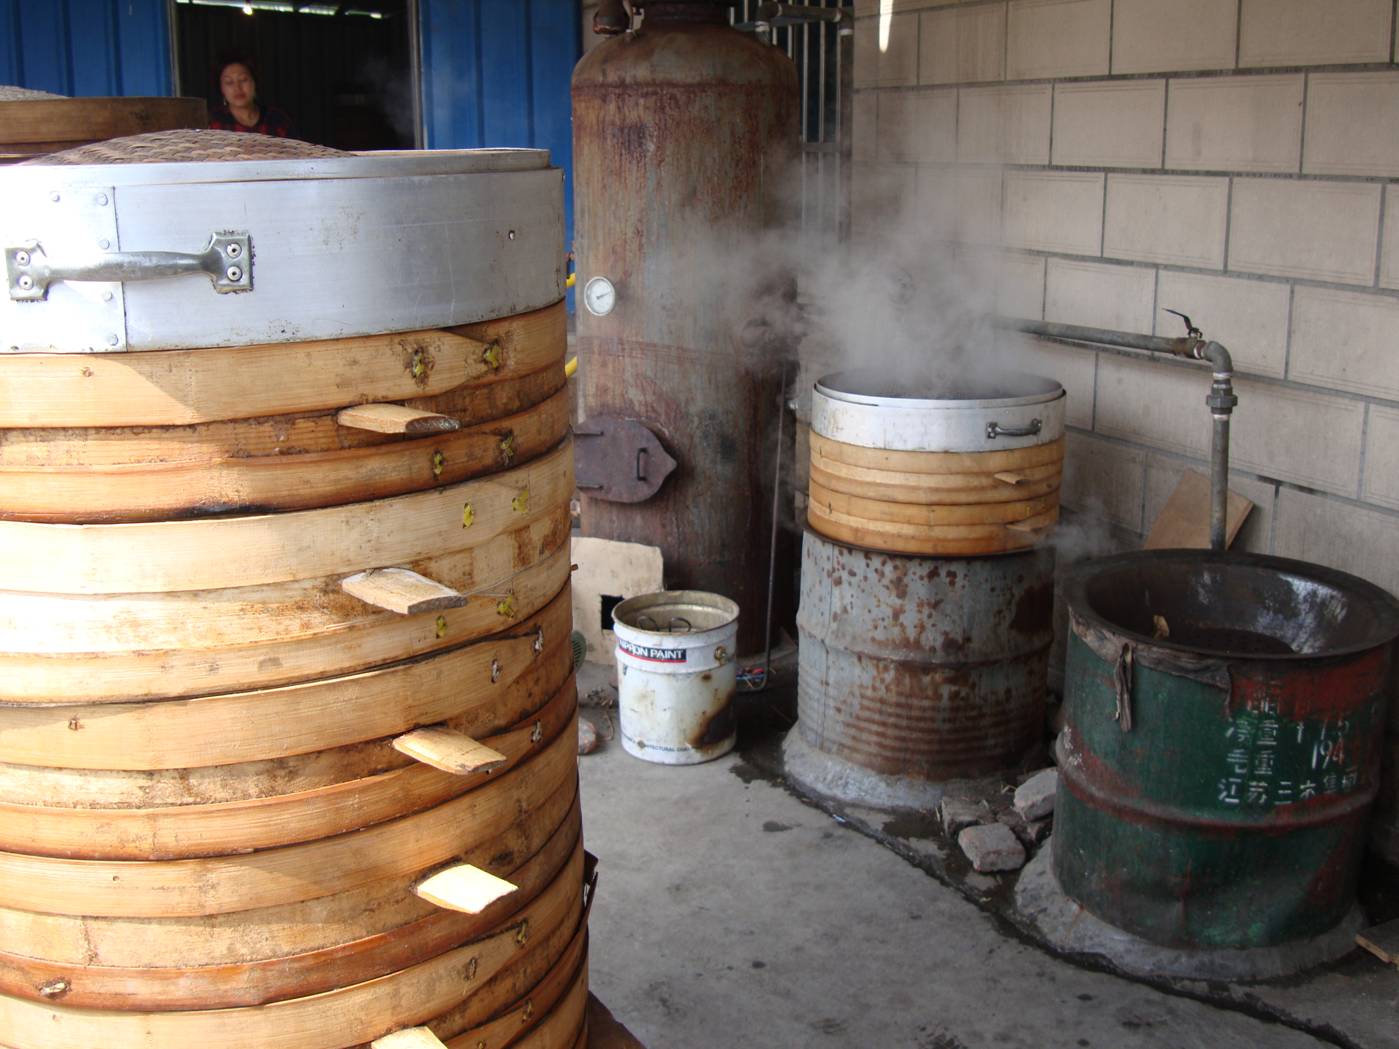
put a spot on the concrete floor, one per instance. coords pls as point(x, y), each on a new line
point(732, 913)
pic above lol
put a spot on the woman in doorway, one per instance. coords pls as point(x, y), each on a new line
point(241, 109)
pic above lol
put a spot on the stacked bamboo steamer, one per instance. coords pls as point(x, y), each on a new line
point(33, 123)
point(287, 744)
point(971, 467)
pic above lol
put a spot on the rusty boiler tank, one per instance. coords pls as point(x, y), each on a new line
point(683, 130)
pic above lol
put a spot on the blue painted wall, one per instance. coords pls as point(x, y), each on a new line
point(497, 72)
point(86, 47)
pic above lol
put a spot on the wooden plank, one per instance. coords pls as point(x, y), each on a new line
point(409, 1038)
point(1184, 522)
point(66, 121)
point(394, 418)
point(290, 719)
point(348, 1015)
point(464, 887)
point(220, 885)
point(181, 387)
point(119, 648)
point(401, 590)
point(295, 929)
point(190, 555)
point(449, 751)
point(1382, 941)
point(137, 831)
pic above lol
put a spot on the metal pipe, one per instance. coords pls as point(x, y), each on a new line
point(798, 13)
point(772, 539)
point(1193, 346)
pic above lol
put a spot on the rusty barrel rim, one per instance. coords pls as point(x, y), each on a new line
point(1087, 585)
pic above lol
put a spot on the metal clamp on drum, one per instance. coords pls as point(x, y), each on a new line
point(227, 259)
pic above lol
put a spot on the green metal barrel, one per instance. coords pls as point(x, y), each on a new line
point(1221, 752)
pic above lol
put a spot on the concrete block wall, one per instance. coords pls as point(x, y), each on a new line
point(1234, 159)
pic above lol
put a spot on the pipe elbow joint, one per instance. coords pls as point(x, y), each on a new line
point(1218, 356)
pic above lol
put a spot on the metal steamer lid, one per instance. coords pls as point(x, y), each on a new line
point(975, 413)
point(147, 251)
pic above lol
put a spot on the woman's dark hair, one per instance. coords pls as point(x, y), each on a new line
point(224, 60)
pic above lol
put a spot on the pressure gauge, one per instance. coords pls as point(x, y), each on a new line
point(599, 296)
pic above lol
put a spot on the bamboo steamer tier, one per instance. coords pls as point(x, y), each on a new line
point(482, 968)
point(967, 468)
point(170, 434)
point(33, 123)
point(144, 611)
point(208, 810)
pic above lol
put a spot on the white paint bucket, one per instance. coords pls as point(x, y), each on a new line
point(676, 675)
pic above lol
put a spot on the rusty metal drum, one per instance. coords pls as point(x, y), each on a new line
point(1225, 714)
point(951, 468)
point(915, 671)
point(681, 131)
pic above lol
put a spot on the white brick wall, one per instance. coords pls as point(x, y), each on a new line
point(1156, 36)
point(1057, 38)
point(1313, 32)
point(1102, 295)
point(1109, 124)
point(1004, 125)
point(962, 44)
point(1235, 124)
point(1324, 231)
point(1167, 218)
point(1100, 161)
point(1352, 124)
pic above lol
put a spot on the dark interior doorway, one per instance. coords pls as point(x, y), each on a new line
point(344, 73)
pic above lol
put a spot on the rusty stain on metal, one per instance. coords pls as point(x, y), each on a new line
point(921, 669)
point(681, 134)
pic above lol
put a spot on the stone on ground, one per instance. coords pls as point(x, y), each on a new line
point(957, 813)
point(1034, 799)
point(992, 847)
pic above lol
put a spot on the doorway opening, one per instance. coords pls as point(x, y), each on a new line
point(345, 73)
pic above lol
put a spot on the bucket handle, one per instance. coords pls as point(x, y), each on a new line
point(655, 627)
